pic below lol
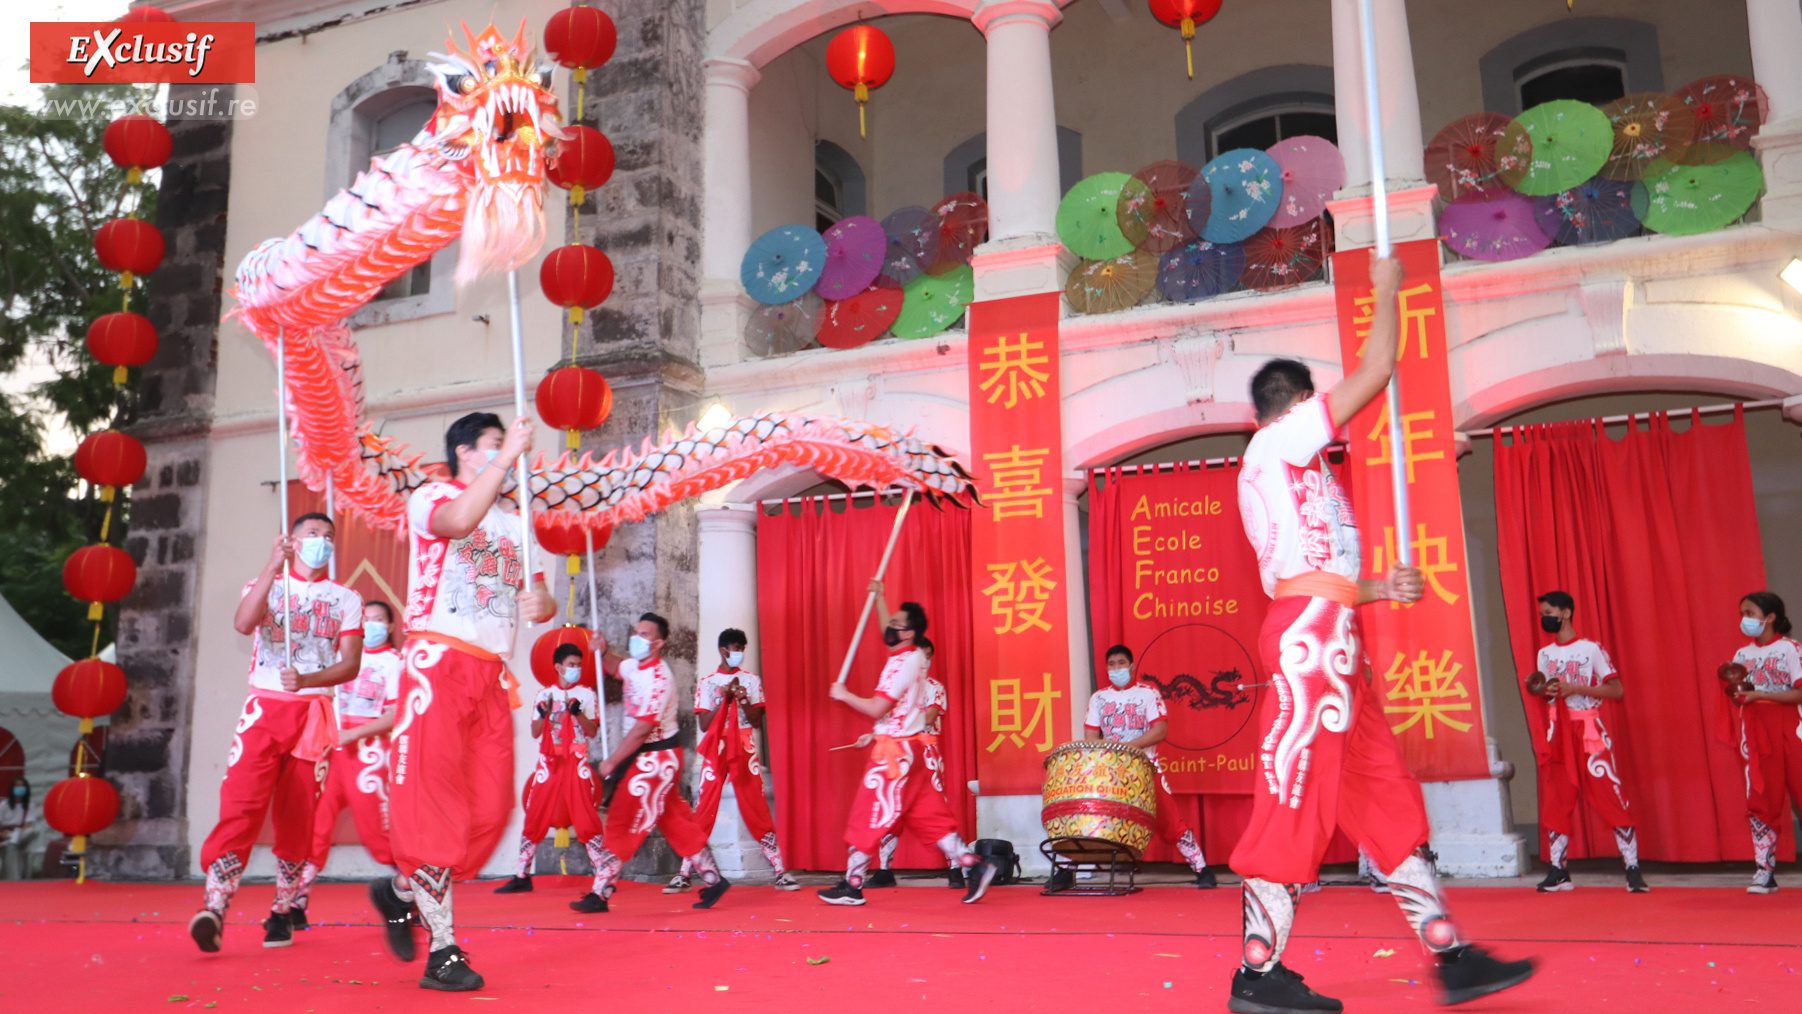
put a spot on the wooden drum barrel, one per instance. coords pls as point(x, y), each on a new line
point(1096, 789)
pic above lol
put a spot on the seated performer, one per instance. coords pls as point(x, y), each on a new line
point(1579, 676)
point(891, 797)
point(359, 773)
point(649, 756)
point(561, 792)
point(1768, 727)
point(746, 771)
point(1327, 755)
point(286, 730)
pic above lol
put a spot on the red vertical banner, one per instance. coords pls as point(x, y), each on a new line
point(1424, 656)
point(1021, 605)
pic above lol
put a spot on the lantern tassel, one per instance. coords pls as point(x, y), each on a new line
point(106, 523)
point(134, 176)
point(576, 193)
point(563, 839)
point(87, 726)
point(96, 612)
point(78, 846)
point(94, 649)
point(863, 96)
point(1188, 44)
point(573, 440)
point(575, 316)
point(581, 90)
point(120, 374)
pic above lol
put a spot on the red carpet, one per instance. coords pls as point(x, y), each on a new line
point(125, 947)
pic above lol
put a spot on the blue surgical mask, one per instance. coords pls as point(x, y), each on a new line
point(572, 674)
point(375, 633)
point(1751, 627)
point(1120, 677)
point(638, 647)
point(734, 659)
point(19, 792)
point(315, 551)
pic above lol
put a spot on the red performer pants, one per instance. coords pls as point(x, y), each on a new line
point(450, 789)
point(1327, 757)
point(647, 798)
point(561, 793)
point(746, 775)
point(261, 771)
point(1571, 770)
point(359, 780)
point(1772, 750)
point(895, 796)
point(1170, 827)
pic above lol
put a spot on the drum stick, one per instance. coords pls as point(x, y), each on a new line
point(1252, 686)
point(869, 602)
point(847, 746)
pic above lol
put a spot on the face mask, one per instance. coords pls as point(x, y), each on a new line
point(1551, 624)
point(891, 636)
point(572, 674)
point(734, 659)
point(1750, 627)
point(315, 550)
point(638, 647)
point(19, 793)
point(375, 633)
point(1120, 677)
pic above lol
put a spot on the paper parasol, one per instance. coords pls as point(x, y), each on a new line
point(781, 328)
point(859, 320)
point(1283, 258)
point(963, 225)
point(1154, 208)
point(898, 267)
point(1571, 140)
point(1647, 126)
point(915, 230)
point(1247, 187)
point(1200, 270)
point(1729, 109)
point(1198, 204)
point(1312, 170)
point(1504, 229)
point(1596, 212)
point(1088, 218)
point(1103, 286)
point(1685, 200)
point(854, 254)
point(782, 264)
point(932, 303)
point(1467, 159)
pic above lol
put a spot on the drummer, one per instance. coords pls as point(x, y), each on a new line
point(1131, 712)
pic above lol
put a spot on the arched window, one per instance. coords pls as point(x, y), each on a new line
point(838, 185)
point(1595, 75)
point(1256, 110)
point(1593, 60)
point(1264, 126)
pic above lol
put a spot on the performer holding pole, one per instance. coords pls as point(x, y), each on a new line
point(869, 602)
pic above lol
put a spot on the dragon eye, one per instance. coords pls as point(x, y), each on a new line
point(544, 78)
point(459, 83)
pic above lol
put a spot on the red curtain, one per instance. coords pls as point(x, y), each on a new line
point(814, 566)
point(1656, 537)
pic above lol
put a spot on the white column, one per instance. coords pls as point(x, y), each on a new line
point(1775, 28)
point(1410, 200)
point(726, 206)
point(1076, 578)
point(728, 584)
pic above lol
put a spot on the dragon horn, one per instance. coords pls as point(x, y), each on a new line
point(520, 45)
point(471, 36)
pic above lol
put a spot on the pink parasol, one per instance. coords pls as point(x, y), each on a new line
point(854, 257)
point(1313, 170)
point(964, 224)
point(1504, 229)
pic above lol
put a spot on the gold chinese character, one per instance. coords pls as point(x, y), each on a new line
point(1006, 707)
point(1413, 320)
point(1014, 487)
point(1430, 555)
point(1011, 370)
point(1020, 603)
point(1426, 691)
point(1413, 429)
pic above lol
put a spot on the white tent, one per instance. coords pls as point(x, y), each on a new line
point(28, 666)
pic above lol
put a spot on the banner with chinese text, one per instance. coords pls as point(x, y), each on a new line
point(1021, 627)
point(1172, 577)
point(1424, 656)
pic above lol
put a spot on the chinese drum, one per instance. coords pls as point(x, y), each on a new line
point(1096, 789)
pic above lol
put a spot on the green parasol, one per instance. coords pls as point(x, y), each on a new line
point(932, 303)
point(1570, 140)
point(1088, 220)
point(1683, 200)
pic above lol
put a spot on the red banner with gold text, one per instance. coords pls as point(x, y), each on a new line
point(1424, 656)
point(1017, 568)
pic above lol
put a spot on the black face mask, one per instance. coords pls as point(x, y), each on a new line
point(1551, 624)
point(891, 636)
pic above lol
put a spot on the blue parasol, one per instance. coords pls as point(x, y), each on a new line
point(1598, 211)
point(1200, 270)
point(1247, 190)
point(782, 264)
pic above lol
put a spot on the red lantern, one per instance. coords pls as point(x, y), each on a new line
point(108, 459)
point(574, 398)
point(583, 162)
point(576, 276)
point(1185, 14)
point(860, 58)
point(545, 671)
point(580, 38)
point(81, 806)
point(99, 573)
point(136, 143)
point(122, 340)
point(144, 14)
point(129, 246)
point(88, 689)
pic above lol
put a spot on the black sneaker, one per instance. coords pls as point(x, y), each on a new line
point(515, 885)
point(297, 919)
point(1557, 880)
point(1060, 880)
point(955, 880)
point(590, 902)
point(879, 878)
point(1636, 884)
point(397, 917)
point(1278, 991)
point(843, 894)
point(207, 928)
point(1206, 880)
point(1763, 882)
point(977, 880)
point(1469, 972)
point(447, 969)
point(712, 893)
point(276, 931)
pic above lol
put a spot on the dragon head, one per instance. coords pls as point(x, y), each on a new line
point(495, 111)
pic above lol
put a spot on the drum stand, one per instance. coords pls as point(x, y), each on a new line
point(1071, 855)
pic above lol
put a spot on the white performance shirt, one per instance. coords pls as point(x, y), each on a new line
point(1772, 668)
point(1124, 715)
point(1295, 512)
point(1580, 663)
point(710, 691)
point(559, 698)
point(650, 696)
point(936, 698)
point(377, 685)
point(322, 612)
point(904, 682)
point(464, 588)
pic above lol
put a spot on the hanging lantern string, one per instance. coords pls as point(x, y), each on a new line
point(1189, 44)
